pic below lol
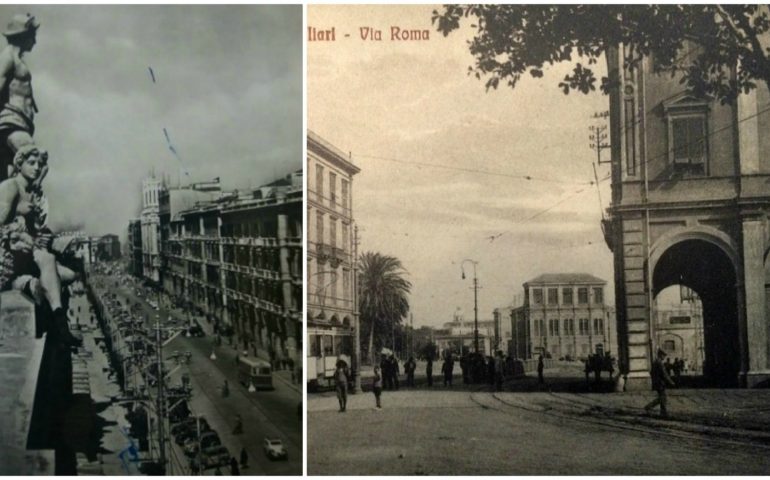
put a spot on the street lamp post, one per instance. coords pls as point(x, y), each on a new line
point(475, 302)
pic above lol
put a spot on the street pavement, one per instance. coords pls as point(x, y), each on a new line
point(539, 430)
point(265, 413)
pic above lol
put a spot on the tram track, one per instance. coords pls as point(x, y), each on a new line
point(504, 406)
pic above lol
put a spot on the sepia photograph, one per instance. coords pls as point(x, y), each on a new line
point(537, 239)
point(151, 239)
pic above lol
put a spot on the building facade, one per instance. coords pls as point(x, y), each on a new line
point(458, 336)
point(690, 207)
point(134, 244)
point(331, 309)
point(564, 315)
point(236, 258)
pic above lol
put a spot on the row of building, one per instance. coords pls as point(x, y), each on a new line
point(234, 257)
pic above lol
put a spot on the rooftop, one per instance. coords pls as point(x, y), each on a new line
point(564, 278)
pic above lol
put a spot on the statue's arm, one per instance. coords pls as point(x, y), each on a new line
point(8, 193)
point(6, 68)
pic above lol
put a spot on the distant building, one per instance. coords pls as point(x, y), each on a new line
point(458, 336)
point(108, 248)
point(679, 329)
point(563, 315)
point(330, 279)
point(150, 235)
point(134, 246)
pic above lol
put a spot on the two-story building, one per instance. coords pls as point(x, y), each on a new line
point(563, 315)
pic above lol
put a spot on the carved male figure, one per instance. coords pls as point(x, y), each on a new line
point(17, 104)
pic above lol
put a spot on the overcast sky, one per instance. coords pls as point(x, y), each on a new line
point(228, 90)
point(414, 102)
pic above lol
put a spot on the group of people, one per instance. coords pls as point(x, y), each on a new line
point(597, 363)
point(676, 367)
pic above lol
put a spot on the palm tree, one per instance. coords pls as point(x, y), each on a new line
point(383, 293)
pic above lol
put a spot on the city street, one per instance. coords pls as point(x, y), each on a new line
point(264, 413)
point(470, 430)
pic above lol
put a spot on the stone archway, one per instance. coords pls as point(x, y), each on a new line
point(706, 263)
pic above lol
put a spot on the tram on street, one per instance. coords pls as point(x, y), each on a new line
point(256, 372)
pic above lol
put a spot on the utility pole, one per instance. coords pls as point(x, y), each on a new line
point(475, 303)
point(599, 135)
point(161, 395)
point(356, 319)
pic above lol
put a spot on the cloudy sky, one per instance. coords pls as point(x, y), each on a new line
point(228, 91)
point(401, 107)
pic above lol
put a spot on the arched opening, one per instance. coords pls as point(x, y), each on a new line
point(706, 269)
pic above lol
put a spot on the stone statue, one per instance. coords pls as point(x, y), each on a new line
point(17, 104)
point(27, 259)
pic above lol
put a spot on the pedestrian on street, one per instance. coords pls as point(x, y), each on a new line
point(499, 371)
point(540, 367)
point(660, 380)
point(225, 389)
point(395, 370)
point(234, 470)
point(238, 430)
point(244, 458)
point(409, 368)
point(341, 378)
point(377, 385)
point(447, 369)
point(429, 371)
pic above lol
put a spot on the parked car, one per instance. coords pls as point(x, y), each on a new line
point(213, 457)
point(207, 440)
point(274, 449)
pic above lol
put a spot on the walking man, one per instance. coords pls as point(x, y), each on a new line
point(429, 371)
point(377, 385)
point(409, 368)
point(540, 367)
point(341, 378)
point(244, 458)
point(660, 380)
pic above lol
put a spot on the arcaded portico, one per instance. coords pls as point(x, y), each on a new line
point(690, 203)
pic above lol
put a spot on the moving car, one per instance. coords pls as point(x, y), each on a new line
point(274, 449)
point(207, 440)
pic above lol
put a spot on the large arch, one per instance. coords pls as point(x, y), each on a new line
point(706, 260)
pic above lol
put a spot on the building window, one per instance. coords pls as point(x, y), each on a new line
point(553, 327)
point(344, 243)
point(669, 346)
point(569, 326)
point(319, 180)
point(598, 295)
point(333, 232)
point(346, 285)
point(681, 319)
point(582, 296)
point(319, 224)
point(344, 193)
point(566, 294)
point(539, 328)
point(537, 296)
point(332, 189)
point(688, 149)
point(598, 326)
point(584, 326)
point(553, 296)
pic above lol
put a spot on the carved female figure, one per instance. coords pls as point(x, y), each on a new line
point(25, 241)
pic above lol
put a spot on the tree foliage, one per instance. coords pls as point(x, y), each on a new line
point(511, 41)
point(383, 296)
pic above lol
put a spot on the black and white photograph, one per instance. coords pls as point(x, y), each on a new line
point(537, 239)
point(151, 240)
